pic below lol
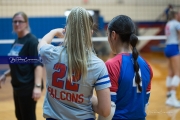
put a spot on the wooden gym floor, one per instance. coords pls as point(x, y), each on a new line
point(157, 109)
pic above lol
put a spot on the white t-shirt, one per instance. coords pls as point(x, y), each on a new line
point(65, 100)
point(171, 31)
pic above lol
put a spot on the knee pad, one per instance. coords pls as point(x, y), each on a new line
point(113, 108)
point(168, 81)
point(175, 81)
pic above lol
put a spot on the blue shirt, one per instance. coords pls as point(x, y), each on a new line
point(130, 103)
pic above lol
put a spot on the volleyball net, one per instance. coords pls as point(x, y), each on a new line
point(95, 39)
point(101, 45)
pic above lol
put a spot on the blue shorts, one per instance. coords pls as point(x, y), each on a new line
point(55, 119)
point(171, 50)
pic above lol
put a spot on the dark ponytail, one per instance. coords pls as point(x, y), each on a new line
point(133, 42)
point(124, 26)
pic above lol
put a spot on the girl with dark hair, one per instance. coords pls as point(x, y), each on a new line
point(129, 73)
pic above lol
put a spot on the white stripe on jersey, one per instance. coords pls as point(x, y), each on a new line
point(113, 93)
point(148, 92)
point(103, 80)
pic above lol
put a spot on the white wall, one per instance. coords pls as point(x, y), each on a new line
point(140, 10)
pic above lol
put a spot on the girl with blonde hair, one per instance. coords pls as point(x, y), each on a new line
point(73, 71)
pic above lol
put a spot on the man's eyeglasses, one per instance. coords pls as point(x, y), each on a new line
point(18, 21)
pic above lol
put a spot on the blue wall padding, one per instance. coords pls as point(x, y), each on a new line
point(39, 27)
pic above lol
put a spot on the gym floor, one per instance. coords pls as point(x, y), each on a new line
point(157, 109)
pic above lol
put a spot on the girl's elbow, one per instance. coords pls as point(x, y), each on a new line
point(106, 112)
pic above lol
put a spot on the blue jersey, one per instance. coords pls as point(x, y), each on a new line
point(130, 103)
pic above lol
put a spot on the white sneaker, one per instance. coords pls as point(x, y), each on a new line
point(173, 102)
